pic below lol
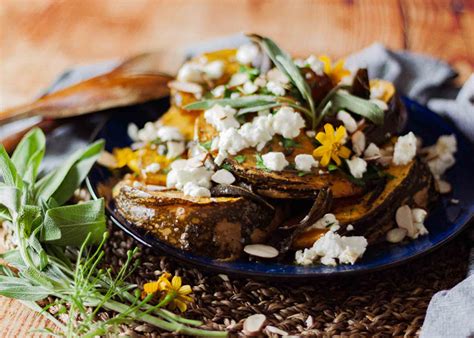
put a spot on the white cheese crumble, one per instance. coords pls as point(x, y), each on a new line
point(214, 69)
point(443, 152)
point(332, 249)
point(166, 133)
point(276, 76)
point(255, 133)
point(249, 88)
point(357, 166)
point(174, 149)
point(315, 64)
point(152, 168)
point(304, 162)
point(327, 221)
point(231, 141)
point(287, 122)
point(221, 118)
point(194, 190)
point(405, 149)
point(238, 79)
point(412, 220)
point(276, 88)
point(349, 122)
point(223, 176)
point(247, 53)
point(275, 161)
point(198, 71)
point(218, 91)
point(191, 174)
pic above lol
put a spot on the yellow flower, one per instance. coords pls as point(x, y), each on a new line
point(123, 156)
point(335, 71)
point(179, 293)
point(384, 89)
point(331, 145)
point(174, 290)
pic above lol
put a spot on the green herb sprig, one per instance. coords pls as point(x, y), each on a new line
point(55, 254)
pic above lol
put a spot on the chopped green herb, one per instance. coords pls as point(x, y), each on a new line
point(206, 145)
point(332, 167)
point(260, 164)
point(240, 158)
point(226, 166)
point(251, 72)
point(157, 141)
point(302, 173)
point(289, 143)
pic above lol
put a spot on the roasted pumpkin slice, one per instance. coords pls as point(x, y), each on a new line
point(216, 227)
point(373, 214)
point(287, 183)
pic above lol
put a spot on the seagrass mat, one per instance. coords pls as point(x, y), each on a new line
point(389, 302)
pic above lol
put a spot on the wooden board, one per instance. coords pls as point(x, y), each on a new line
point(39, 38)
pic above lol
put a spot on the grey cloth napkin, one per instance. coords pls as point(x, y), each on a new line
point(422, 78)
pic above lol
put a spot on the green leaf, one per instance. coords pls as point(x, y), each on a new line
point(20, 288)
point(286, 65)
point(239, 102)
point(369, 110)
point(61, 183)
point(4, 214)
point(251, 72)
point(29, 153)
point(8, 170)
point(13, 257)
point(206, 145)
point(260, 164)
point(289, 143)
point(74, 223)
point(240, 158)
point(332, 167)
point(256, 109)
point(10, 198)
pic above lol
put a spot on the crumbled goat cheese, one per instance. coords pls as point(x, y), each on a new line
point(304, 162)
point(357, 166)
point(311, 133)
point(332, 247)
point(238, 79)
point(221, 156)
point(276, 76)
point(315, 65)
point(148, 133)
point(166, 133)
point(214, 69)
point(218, 91)
point(255, 133)
point(194, 190)
point(247, 53)
point(350, 227)
point(349, 122)
point(372, 151)
point(174, 149)
point(221, 118)
point(275, 161)
point(358, 142)
point(152, 168)
point(276, 88)
point(231, 141)
point(223, 176)
point(132, 131)
point(287, 122)
point(189, 171)
point(405, 149)
point(249, 88)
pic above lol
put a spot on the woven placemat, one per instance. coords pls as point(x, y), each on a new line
point(389, 302)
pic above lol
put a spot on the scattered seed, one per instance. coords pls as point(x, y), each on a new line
point(273, 329)
point(254, 323)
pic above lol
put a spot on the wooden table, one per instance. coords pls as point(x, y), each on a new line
point(39, 38)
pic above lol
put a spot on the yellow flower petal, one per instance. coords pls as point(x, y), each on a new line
point(321, 150)
point(176, 282)
point(344, 152)
point(151, 287)
point(327, 63)
point(340, 133)
point(325, 159)
point(336, 158)
point(181, 305)
point(185, 290)
point(329, 129)
point(321, 137)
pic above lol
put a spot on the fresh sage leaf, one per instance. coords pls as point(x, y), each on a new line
point(20, 288)
point(239, 102)
point(13, 257)
point(74, 223)
point(365, 108)
point(8, 170)
point(256, 109)
point(10, 197)
point(61, 183)
point(29, 153)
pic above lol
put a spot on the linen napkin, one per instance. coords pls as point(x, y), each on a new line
point(420, 77)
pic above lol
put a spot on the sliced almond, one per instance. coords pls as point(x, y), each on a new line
point(106, 159)
point(443, 187)
point(396, 235)
point(261, 250)
point(186, 87)
point(358, 142)
point(254, 323)
point(404, 219)
point(275, 330)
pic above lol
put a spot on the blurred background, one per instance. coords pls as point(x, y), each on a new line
point(40, 38)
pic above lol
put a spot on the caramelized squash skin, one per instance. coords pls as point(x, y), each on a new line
point(373, 215)
point(215, 227)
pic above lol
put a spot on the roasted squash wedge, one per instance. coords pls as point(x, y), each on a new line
point(373, 214)
point(216, 227)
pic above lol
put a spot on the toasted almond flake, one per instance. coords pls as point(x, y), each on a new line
point(273, 329)
point(358, 142)
point(261, 250)
point(404, 219)
point(443, 187)
point(106, 159)
point(254, 323)
point(309, 322)
point(186, 87)
point(396, 235)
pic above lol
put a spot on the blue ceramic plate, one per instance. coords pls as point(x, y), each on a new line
point(444, 222)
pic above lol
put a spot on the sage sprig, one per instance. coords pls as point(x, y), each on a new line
point(55, 254)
